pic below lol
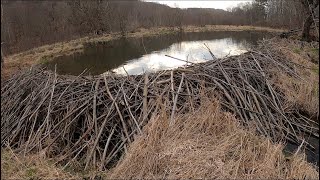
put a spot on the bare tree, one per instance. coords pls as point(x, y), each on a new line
point(309, 7)
point(30, 24)
point(2, 56)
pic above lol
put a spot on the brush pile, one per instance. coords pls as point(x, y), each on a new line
point(88, 121)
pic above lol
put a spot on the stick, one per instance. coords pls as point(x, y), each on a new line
point(176, 99)
point(145, 93)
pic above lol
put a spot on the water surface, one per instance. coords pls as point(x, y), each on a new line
point(138, 55)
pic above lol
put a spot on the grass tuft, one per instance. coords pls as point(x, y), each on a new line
point(208, 143)
point(15, 166)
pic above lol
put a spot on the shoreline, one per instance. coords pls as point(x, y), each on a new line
point(38, 55)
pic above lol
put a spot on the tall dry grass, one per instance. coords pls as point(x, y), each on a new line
point(208, 143)
point(16, 167)
point(303, 93)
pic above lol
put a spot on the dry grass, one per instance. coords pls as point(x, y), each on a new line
point(231, 28)
point(15, 166)
point(14, 63)
point(303, 95)
point(300, 94)
point(207, 144)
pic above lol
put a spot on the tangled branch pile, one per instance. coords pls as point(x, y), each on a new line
point(88, 121)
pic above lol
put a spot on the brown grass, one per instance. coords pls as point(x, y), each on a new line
point(14, 166)
point(300, 94)
point(207, 144)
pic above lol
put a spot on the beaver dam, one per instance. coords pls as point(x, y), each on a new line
point(89, 121)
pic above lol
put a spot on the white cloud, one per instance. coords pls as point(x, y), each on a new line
point(201, 4)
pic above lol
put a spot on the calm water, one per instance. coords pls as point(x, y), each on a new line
point(138, 55)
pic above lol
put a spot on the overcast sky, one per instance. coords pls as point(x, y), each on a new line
point(217, 4)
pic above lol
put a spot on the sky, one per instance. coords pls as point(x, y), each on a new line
point(217, 4)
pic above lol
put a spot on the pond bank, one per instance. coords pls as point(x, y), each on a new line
point(16, 62)
point(265, 90)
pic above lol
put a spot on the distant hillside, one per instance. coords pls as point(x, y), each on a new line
point(28, 24)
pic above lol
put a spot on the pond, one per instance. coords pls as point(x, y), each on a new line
point(148, 54)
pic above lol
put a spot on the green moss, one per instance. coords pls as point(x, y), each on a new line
point(315, 69)
point(31, 172)
point(45, 59)
point(286, 153)
point(296, 50)
point(315, 91)
point(5, 159)
point(315, 51)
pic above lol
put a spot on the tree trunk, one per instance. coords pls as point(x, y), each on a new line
point(306, 28)
point(2, 58)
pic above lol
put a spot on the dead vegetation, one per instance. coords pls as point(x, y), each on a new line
point(88, 122)
point(207, 143)
point(15, 166)
point(302, 93)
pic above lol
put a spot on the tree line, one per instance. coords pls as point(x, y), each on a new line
point(28, 24)
point(291, 14)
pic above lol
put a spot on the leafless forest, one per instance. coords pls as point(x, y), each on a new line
point(28, 24)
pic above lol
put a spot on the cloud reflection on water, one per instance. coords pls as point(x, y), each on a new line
point(193, 51)
point(129, 53)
